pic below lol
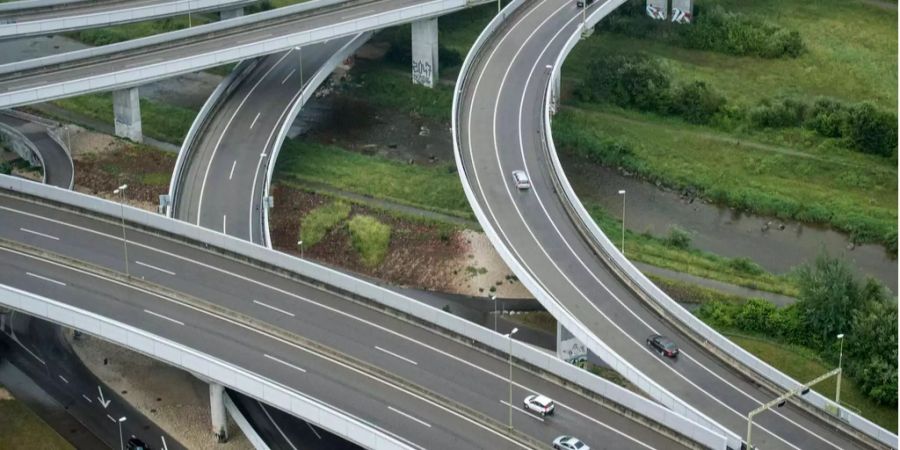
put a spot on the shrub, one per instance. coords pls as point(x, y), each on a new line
point(5, 168)
point(745, 265)
point(320, 220)
point(779, 114)
point(696, 102)
point(755, 315)
point(870, 130)
point(678, 238)
point(828, 117)
point(628, 81)
point(370, 238)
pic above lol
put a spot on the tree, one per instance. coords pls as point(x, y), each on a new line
point(828, 295)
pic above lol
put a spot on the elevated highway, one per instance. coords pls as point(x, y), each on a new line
point(251, 316)
point(500, 125)
point(20, 19)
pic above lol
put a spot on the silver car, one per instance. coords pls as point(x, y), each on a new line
point(569, 443)
point(520, 179)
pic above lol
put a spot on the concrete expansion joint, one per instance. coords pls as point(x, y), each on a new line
point(281, 334)
point(748, 373)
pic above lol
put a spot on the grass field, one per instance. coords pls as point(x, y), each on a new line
point(318, 222)
point(370, 238)
point(802, 364)
point(790, 173)
point(388, 87)
point(20, 428)
point(160, 121)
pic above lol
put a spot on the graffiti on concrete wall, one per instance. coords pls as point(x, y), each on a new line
point(682, 11)
point(658, 9)
point(422, 73)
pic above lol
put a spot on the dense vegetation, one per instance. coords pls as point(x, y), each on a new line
point(370, 238)
point(713, 29)
point(318, 222)
point(831, 301)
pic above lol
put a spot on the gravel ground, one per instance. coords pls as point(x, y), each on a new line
point(176, 400)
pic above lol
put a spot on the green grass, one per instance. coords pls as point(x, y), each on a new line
point(654, 251)
point(852, 192)
point(370, 238)
point(458, 31)
point(156, 178)
point(434, 188)
point(392, 88)
point(802, 364)
point(852, 54)
point(684, 292)
point(318, 222)
point(160, 121)
point(21, 428)
point(119, 33)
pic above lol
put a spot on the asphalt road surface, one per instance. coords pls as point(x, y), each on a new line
point(500, 121)
point(81, 8)
point(412, 353)
point(58, 167)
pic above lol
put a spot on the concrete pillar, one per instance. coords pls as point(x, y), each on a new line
point(127, 109)
point(425, 52)
point(217, 411)
point(226, 14)
point(568, 347)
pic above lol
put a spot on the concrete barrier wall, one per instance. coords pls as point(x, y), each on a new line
point(671, 309)
point(31, 4)
point(265, 257)
point(722, 437)
point(69, 22)
point(318, 78)
point(242, 380)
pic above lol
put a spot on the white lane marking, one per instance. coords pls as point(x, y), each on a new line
point(409, 416)
point(87, 398)
point(533, 416)
point(273, 308)
point(39, 234)
point(233, 165)
point(224, 131)
point(40, 277)
point(297, 297)
point(150, 266)
point(284, 362)
point(397, 356)
point(254, 120)
point(224, 223)
point(63, 378)
point(280, 340)
point(288, 76)
point(164, 317)
point(111, 418)
point(263, 407)
point(314, 430)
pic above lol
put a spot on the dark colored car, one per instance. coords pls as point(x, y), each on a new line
point(137, 444)
point(663, 345)
point(581, 3)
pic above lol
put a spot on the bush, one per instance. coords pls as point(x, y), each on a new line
point(678, 238)
point(755, 316)
point(5, 168)
point(320, 220)
point(779, 114)
point(626, 80)
point(828, 117)
point(745, 265)
point(696, 102)
point(870, 130)
point(370, 238)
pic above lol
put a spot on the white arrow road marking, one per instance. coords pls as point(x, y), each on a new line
point(104, 402)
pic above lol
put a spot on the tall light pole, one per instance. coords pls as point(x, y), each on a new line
point(494, 298)
point(837, 391)
point(300, 243)
point(509, 336)
point(121, 190)
point(622, 193)
point(121, 443)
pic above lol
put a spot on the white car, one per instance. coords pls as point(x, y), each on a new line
point(521, 179)
point(569, 443)
point(539, 404)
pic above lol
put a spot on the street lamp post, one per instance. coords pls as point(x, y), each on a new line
point(121, 443)
point(121, 190)
point(837, 391)
point(300, 243)
point(494, 298)
point(509, 336)
point(622, 193)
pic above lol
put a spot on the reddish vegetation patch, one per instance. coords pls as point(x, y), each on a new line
point(146, 171)
point(418, 256)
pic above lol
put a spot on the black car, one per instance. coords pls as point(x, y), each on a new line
point(663, 345)
point(581, 3)
point(137, 444)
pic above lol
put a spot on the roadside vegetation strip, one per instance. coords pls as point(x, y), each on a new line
point(22, 428)
point(318, 222)
point(119, 33)
point(370, 238)
point(158, 120)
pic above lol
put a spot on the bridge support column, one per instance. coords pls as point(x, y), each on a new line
point(217, 411)
point(127, 109)
point(226, 14)
point(568, 347)
point(425, 52)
